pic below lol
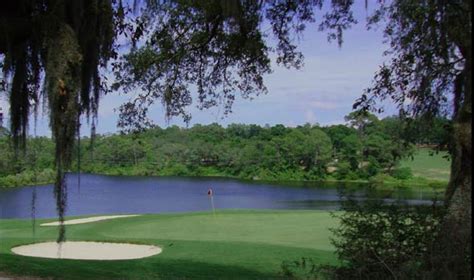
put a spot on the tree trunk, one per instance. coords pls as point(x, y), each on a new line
point(456, 235)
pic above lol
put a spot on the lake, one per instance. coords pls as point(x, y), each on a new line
point(99, 194)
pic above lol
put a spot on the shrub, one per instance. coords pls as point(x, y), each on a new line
point(175, 169)
point(28, 177)
point(381, 178)
point(343, 169)
point(378, 241)
point(373, 168)
point(305, 269)
point(402, 173)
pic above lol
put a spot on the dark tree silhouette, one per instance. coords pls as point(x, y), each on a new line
point(430, 74)
point(55, 47)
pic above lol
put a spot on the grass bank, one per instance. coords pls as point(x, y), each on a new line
point(240, 244)
point(429, 165)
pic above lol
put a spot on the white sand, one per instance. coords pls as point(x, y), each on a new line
point(88, 220)
point(82, 250)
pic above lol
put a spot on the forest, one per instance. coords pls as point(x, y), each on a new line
point(364, 149)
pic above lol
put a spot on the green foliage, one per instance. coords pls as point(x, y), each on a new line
point(25, 178)
point(239, 151)
point(303, 269)
point(430, 65)
point(394, 241)
point(381, 179)
point(343, 170)
point(373, 168)
point(375, 240)
point(402, 173)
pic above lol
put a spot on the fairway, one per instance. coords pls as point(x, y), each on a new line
point(237, 244)
point(428, 164)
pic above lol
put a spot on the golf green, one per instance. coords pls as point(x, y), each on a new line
point(237, 244)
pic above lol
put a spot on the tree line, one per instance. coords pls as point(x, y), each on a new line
point(365, 148)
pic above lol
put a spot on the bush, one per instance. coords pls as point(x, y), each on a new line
point(305, 269)
point(175, 169)
point(47, 176)
point(378, 241)
point(343, 169)
point(373, 168)
point(381, 178)
point(402, 173)
point(28, 177)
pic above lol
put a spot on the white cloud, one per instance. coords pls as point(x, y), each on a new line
point(310, 116)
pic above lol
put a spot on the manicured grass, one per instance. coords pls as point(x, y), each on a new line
point(428, 165)
point(238, 244)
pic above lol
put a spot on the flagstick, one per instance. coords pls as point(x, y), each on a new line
point(212, 204)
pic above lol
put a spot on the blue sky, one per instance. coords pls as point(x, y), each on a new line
point(323, 91)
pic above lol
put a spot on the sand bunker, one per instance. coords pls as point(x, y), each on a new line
point(88, 220)
point(82, 250)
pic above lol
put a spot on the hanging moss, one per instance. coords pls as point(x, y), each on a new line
point(55, 49)
point(63, 87)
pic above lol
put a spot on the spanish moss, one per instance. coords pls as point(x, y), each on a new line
point(52, 51)
point(33, 210)
point(78, 153)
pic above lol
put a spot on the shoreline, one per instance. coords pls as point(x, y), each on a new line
point(435, 185)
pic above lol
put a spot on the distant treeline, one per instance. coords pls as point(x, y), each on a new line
point(365, 149)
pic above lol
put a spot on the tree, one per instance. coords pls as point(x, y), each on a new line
point(278, 130)
point(351, 147)
point(361, 121)
point(430, 74)
point(57, 46)
point(321, 146)
point(435, 131)
point(215, 47)
point(337, 133)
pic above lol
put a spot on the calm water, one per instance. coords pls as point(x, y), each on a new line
point(123, 195)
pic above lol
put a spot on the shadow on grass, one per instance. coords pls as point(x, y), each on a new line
point(128, 269)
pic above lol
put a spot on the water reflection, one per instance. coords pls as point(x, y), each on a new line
point(127, 195)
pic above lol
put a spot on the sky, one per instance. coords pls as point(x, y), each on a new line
point(322, 92)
